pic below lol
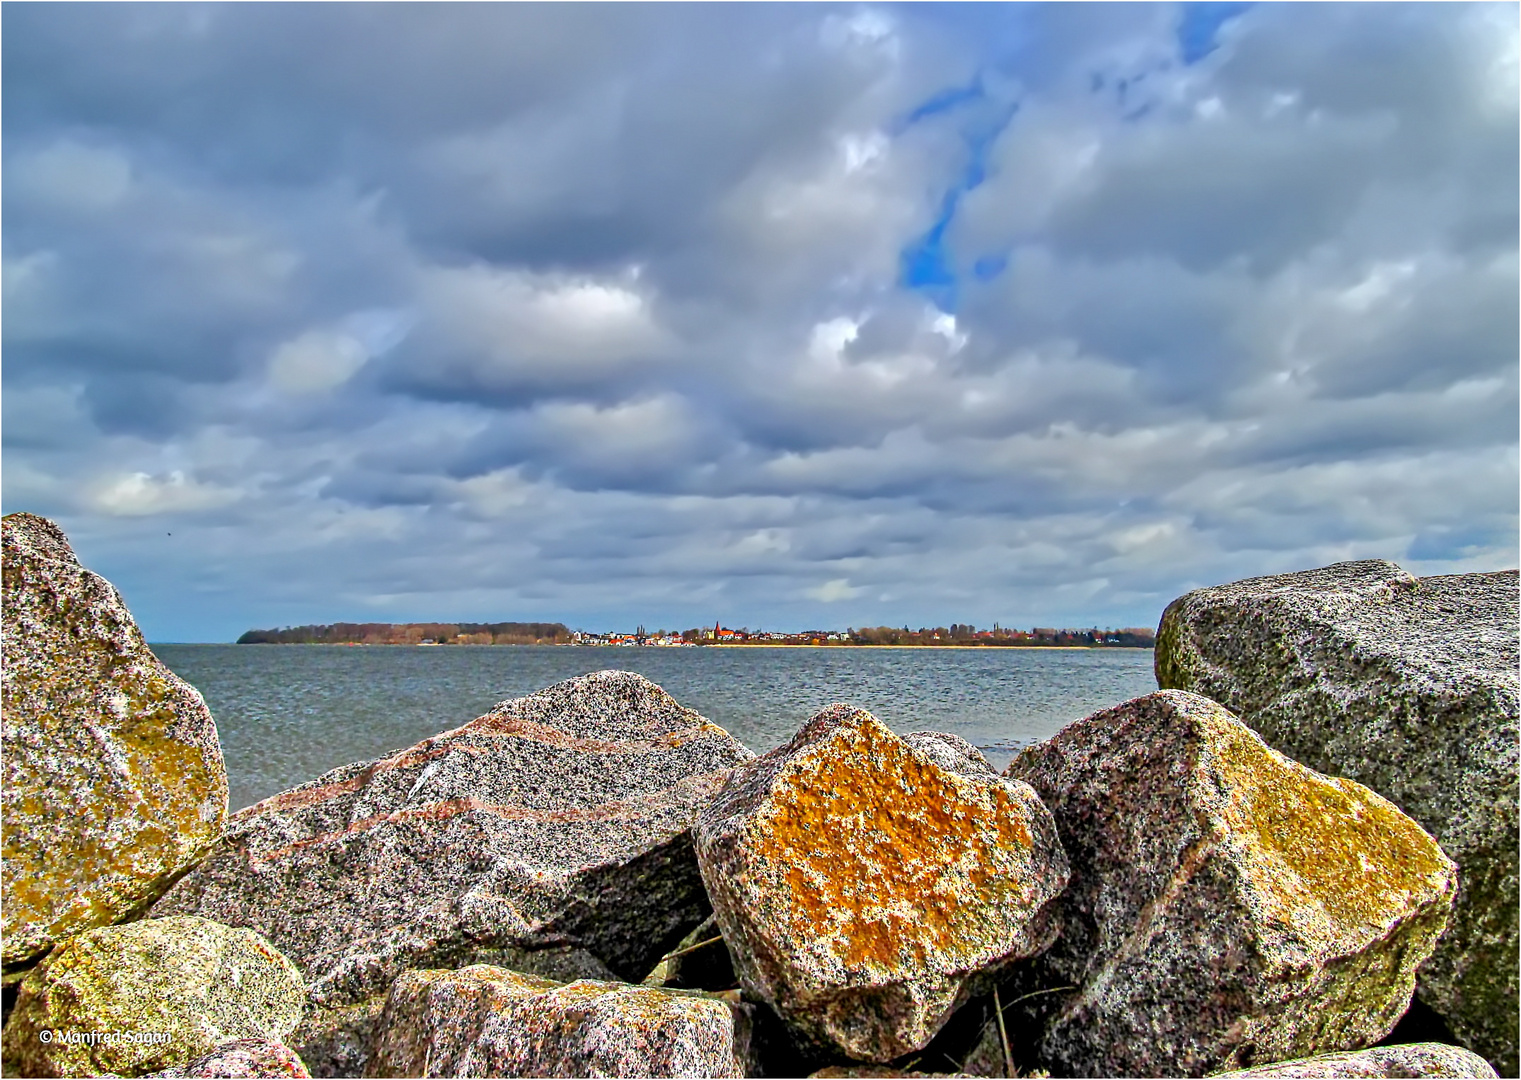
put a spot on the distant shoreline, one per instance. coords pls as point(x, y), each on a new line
point(706, 645)
point(930, 648)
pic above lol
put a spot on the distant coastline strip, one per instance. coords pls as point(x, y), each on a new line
point(957, 635)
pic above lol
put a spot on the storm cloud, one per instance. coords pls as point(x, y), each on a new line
point(786, 315)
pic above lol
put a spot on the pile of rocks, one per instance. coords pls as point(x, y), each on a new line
point(595, 881)
point(1407, 685)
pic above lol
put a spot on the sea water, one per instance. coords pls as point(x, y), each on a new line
point(288, 713)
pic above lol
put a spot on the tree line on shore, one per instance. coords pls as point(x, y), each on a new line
point(503, 633)
point(965, 634)
point(537, 633)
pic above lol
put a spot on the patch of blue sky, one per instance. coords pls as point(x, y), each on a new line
point(990, 266)
point(1199, 28)
point(945, 101)
point(926, 264)
point(1442, 542)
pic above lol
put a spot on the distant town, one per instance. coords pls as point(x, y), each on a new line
point(513, 633)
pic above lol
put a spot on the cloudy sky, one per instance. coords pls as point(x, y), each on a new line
point(789, 316)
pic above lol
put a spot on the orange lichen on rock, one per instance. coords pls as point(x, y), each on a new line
point(863, 880)
point(889, 854)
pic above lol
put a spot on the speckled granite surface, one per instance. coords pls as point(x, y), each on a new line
point(555, 827)
point(1409, 1060)
point(488, 1021)
point(1412, 687)
point(1227, 905)
point(243, 1059)
point(112, 774)
point(197, 982)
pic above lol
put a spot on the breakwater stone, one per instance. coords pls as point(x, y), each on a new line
point(112, 773)
point(553, 834)
point(1410, 686)
point(242, 1059)
point(197, 982)
point(1408, 1060)
point(1227, 907)
point(489, 1021)
point(864, 884)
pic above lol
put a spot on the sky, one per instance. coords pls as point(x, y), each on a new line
point(789, 316)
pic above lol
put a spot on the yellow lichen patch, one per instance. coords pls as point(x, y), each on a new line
point(1325, 844)
point(887, 856)
point(199, 982)
point(112, 835)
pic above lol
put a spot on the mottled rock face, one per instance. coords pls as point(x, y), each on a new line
point(112, 772)
point(862, 885)
point(244, 1058)
point(1409, 1060)
point(556, 827)
point(1227, 906)
point(199, 983)
point(336, 1040)
point(1409, 686)
point(488, 1021)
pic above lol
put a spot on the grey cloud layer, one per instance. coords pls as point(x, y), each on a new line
point(609, 312)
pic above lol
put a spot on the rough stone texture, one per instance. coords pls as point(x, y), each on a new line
point(1409, 1060)
point(1409, 686)
point(863, 888)
point(244, 1058)
point(336, 1040)
point(1228, 907)
point(201, 983)
point(488, 1021)
point(555, 827)
point(952, 753)
point(112, 772)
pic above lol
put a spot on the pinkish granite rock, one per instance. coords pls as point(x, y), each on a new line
point(488, 1021)
point(1408, 1060)
point(112, 773)
point(1227, 906)
point(864, 885)
point(335, 1040)
point(243, 1059)
point(552, 834)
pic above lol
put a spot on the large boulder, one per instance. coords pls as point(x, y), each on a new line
point(1410, 686)
point(149, 995)
point(552, 834)
point(864, 883)
point(112, 773)
point(489, 1021)
point(334, 1038)
point(1228, 906)
point(1407, 1060)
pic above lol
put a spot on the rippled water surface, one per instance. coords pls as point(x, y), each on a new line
point(287, 713)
